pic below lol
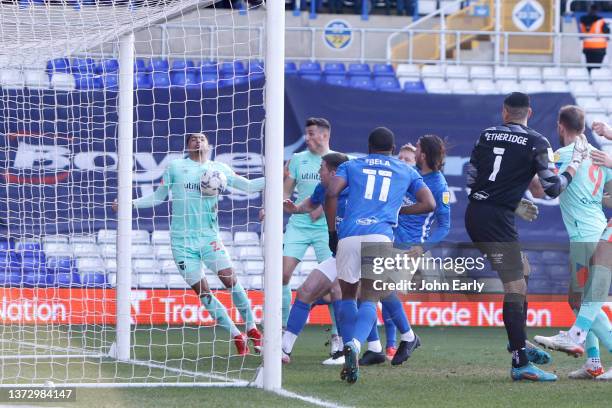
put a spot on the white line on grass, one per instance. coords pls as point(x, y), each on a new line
point(306, 398)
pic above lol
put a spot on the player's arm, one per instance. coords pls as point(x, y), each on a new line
point(552, 183)
point(471, 168)
point(603, 130)
point(289, 181)
point(536, 189)
point(154, 199)
point(602, 159)
point(248, 186)
point(425, 201)
point(306, 206)
point(336, 185)
point(442, 219)
point(607, 198)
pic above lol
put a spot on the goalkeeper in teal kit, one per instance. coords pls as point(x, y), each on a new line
point(194, 232)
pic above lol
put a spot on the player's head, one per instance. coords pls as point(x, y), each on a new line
point(381, 141)
point(430, 152)
point(517, 108)
point(197, 142)
point(317, 132)
point(407, 154)
point(570, 123)
point(329, 165)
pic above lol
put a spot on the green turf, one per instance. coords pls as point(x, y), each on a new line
point(456, 367)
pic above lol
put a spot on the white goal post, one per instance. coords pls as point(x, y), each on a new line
point(78, 109)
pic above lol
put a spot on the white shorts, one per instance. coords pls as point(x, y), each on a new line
point(328, 268)
point(349, 255)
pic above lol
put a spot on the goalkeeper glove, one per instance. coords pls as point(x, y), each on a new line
point(527, 210)
point(581, 152)
point(333, 241)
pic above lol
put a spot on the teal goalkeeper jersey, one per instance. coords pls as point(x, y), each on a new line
point(193, 214)
point(581, 202)
point(304, 169)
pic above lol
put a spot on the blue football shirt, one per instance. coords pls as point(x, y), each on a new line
point(318, 198)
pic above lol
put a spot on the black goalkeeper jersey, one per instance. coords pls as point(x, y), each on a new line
point(505, 160)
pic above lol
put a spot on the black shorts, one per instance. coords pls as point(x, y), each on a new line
point(493, 231)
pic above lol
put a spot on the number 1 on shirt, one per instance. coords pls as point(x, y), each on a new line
point(371, 181)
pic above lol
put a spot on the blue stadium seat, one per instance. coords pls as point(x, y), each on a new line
point(58, 65)
point(554, 257)
point(33, 280)
point(159, 65)
point(9, 262)
point(33, 265)
point(363, 83)
point(339, 80)
point(383, 70)
point(82, 65)
point(540, 286)
point(106, 66)
point(64, 280)
point(61, 264)
point(111, 82)
point(87, 82)
point(160, 79)
point(334, 68)
point(10, 279)
point(312, 77)
point(310, 68)
point(358, 69)
point(93, 280)
point(537, 272)
point(389, 84)
point(414, 87)
point(184, 79)
point(141, 65)
point(209, 67)
point(290, 68)
point(142, 81)
point(182, 65)
point(6, 245)
point(26, 246)
point(256, 70)
point(556, 272)
point(232, 69)
point(209, 80)
point(534, 257)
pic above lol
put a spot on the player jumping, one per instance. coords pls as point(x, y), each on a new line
point(378, 183)
point(194, 233)
point(503, 163)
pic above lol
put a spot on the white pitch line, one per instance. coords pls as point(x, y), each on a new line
point(309, 399)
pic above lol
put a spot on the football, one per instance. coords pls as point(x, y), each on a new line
point(212, 183)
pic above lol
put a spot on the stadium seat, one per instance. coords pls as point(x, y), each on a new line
point(93, 280)
point(603, 88)
point(436, 85)
point(36, 79)
point(169, 267)
point(57, 249)
point(601, 75)
point(182, 79)
point(59, 264)
point(290, 68)
point(362, 83)
point(387, 83)
point(457, 72)
point(152, 280)
point(505, 73)
point(64, 280)
point(256, 70)
point(111, 82)
point(163, 252)
point(160, 79)
point(58, 65)
point(311, 77)
point(63, 81)
point(506, 86)
point(539, 286)
point(27, 245)
point(607, 103)
point(591, 105)
point(88, 82)
point(244, 238)
point(34, 279)
point(159, 65)
point(85, 250)
point(142, 81)
point(432, 71)
point(82, 66)
point(553, 74)
point(484, 87)
point(176, 282)
point(82, 239)
point(11, 79)
point(414, 87)
point(556, 86)
point(232, 69)
point(581, 88)
point(250, 253)
point(339, 80)
point(182, 65)
point(383, 70)
point(108, 250)
point(481, 72)
point(90, 264)
point(359, 69)
point(145, 266)
point(310, 68)
point(141, 65)
point(253, 267)
point(209, 81)
point(209, 67)
point(9, 262)
point(554, 258)
point(107, 66)
point(577, 75)
point(334, 68)
point(530, 74)
point(110, 265)
point(461, 86)
point(159, 237)
point(532, 86)
point(106, 236)
point(6, 244)
point(226, 237)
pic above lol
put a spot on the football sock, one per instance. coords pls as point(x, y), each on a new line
point(514, 321)
point(594, 298)
point(288, 341)
point(336, 305)
point(297, 317)
point(396, 312)
point(286, 303)
point(592, 345)
point(408, 336)
point(366, 318)
point(219, 313)
point(593, 362)
point(348, 314)
point(390, 329)
point(332, 315)
point(375, 346)
point(241, 301)
point(603, 330)
point(373, 336)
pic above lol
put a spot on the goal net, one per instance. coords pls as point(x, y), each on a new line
point(197, 67)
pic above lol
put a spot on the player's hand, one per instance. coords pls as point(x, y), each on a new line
point(602, 159)
point(527, 210)
point(415, 251)
point(316, 214)
point(581, 151)
point(115, 206)
point(289, 206)
point(262, 214)
point(603, 129)
point(333, 242)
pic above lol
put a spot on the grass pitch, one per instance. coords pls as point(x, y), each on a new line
point(455, 367)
